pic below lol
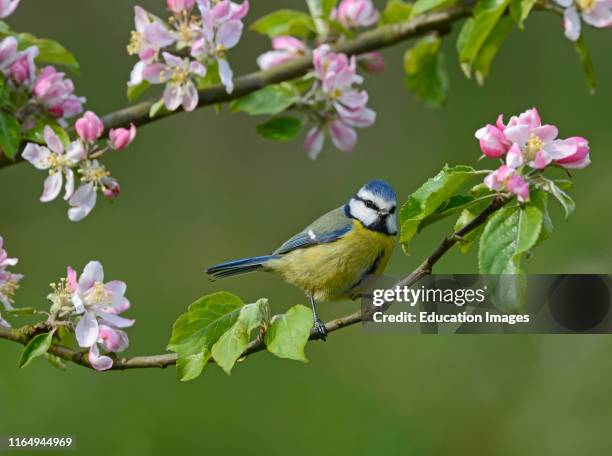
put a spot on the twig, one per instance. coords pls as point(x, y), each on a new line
point(25, 334)
point(368, 41)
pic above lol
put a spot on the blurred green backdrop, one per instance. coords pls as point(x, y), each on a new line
point(202, 188)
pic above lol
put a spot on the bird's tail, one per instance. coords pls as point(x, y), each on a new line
point(237, 267)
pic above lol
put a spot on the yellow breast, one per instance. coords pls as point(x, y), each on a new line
point(335, 270)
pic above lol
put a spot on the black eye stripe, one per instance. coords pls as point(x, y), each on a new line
point(368, 203)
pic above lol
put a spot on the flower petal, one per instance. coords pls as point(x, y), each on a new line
point(571, 24)
point(69, 187)
point(226, 74)
point(229, 34)
point(83, 202)
point(37, 155)
point(99, 363)
point(52, 187)
point(53, 141)
point(313, 143)
point(93, 272)
point(115, 320)
point(343, 136)
point(87, 330)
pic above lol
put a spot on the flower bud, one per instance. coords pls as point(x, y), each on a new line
point(356, 13)
point(89, 127)
point(493, 143)
point(120, 138)
point(373, 62)
point(581, 158)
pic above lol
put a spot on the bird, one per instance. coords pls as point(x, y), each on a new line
point(338, 255)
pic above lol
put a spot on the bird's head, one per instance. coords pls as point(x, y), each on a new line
point(374, 205)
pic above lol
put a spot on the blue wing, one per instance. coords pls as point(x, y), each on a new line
point(328, 228)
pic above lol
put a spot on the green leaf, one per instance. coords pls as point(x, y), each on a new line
point(4, 28)
point(289, 333)
point(396, 11)
point(566, 201)
point(539, 198)
point(423, 6)
point(232, 344)
point(328, 6)
point(10, 134)
point(586, 62)
point(210, 78)
point(490, 48)
point(158, 108)
point(134, 91)
point(285, 22)
point(196, 331)
point(56, 361)
point(50, 51)
point(519, 11)
point(38, 346)
point(37, 133)
point(477, 29)
point(425, 71)
point(272, 100)
point(508, 234)
point(189, 367)
point(455, 204)
point(281, 128)
point(429, 197)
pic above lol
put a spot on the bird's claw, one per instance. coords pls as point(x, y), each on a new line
point(320, 329)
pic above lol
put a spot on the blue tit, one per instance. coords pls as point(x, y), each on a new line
point(337, 255)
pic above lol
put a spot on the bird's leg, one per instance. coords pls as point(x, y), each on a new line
point(319, 326)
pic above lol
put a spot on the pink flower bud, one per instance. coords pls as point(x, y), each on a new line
point(493, 142)
point(581, 158)
point(373, 62)
point(89, 127)
point(178, 6)
point(71, 279)
point(356, 13)
point(120, 138)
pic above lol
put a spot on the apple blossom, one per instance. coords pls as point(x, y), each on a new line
point(97, 305)
point(493, 142)
point(9, 284)
point(507, 178)
point(58, 160)
point(338, 106)
point(120, 138)
point(8, 7)
point(8, 52)
point(597, 13)
point(176, 72)
point(56, 93)
point(89, 127)
point(5, 261)
point(284, 49)
point(355, 13)
point(94, 177)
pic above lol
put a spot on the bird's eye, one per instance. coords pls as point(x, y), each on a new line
point(370, 204)
point(392, 210)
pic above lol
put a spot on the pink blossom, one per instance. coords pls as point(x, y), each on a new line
point(356, 13)
point(94, 177)
point(507, 178)
point(597, 13)
point(221, 30)
point(581, 158)
point(9, 284)
point(178, 6)
point(23, 70)
point(120, 138)
point(58, 160)
point(89, 127)
point(284, 49)
point(8, 53)
point(57, 93)
point(313, 144)
point(8, 7)
point(176, 74)
point(538, 143)
point(97, 303)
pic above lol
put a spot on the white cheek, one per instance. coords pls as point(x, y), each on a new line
point(392, 224)
point(362, 213)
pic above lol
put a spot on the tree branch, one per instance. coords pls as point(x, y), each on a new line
point(368, 41)
point(24, 335)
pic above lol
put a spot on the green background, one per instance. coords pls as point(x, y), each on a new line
point(203, 187)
